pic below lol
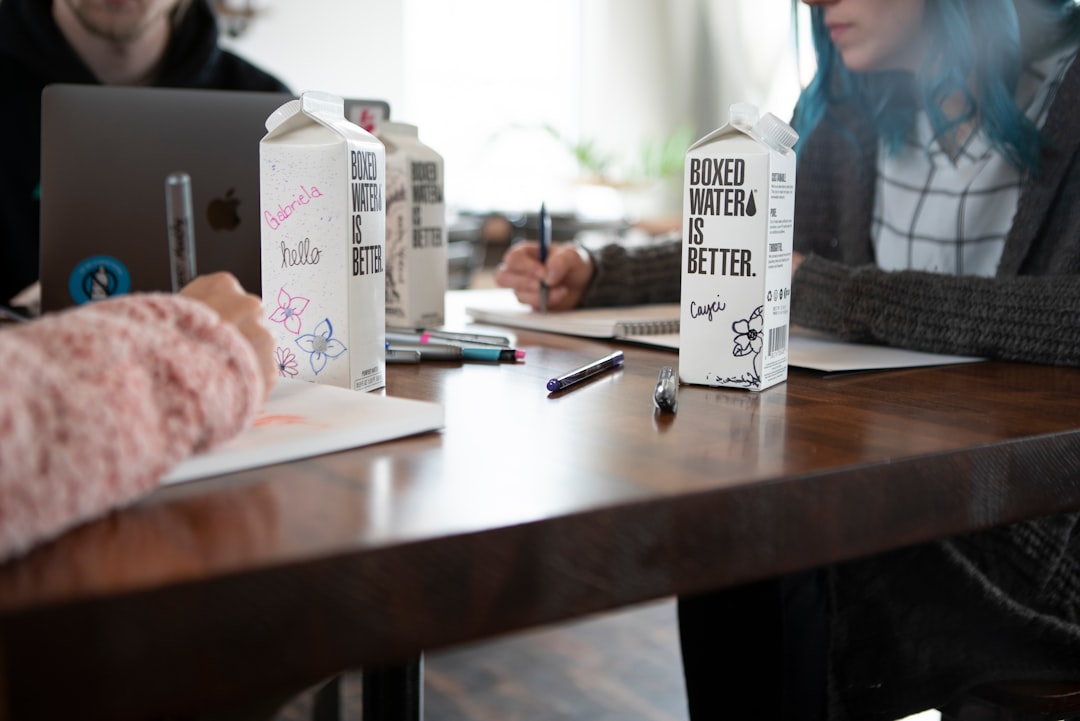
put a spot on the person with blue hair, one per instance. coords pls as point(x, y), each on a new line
point(937, 208)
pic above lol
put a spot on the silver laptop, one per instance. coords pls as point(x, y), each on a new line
point(105, 154)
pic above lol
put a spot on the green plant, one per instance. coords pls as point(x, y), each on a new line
point(663, 157)
point(586, 152)
point(659, 158)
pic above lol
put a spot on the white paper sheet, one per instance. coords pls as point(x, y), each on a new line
point(302, 419)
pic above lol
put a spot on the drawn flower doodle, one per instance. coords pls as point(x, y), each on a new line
point(288, 311)
point(321, 345)
point(749, 335)
point(286, 362)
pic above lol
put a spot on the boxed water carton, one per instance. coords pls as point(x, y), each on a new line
point(416, 257)
point(323, 234)
point(738, 217)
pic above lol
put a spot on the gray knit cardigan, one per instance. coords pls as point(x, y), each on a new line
point(1030, 311)
point(914, 628)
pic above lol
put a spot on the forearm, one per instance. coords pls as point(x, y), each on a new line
point(635, 274)
point(1023, 318)
point(97, 404)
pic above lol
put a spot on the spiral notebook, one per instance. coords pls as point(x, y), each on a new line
point(655, 324)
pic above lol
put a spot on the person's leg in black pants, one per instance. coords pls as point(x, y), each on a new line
point(757, 651)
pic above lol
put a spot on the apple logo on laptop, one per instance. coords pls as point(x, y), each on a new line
point(221, 212)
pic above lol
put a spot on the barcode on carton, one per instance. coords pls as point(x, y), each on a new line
point(777, 340)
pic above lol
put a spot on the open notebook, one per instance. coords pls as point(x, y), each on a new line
point(658, 326)
point(652, 324)
point(302, 419)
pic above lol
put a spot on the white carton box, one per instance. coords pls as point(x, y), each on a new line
point(416, 263)
point(322, 181)
point(738, 216)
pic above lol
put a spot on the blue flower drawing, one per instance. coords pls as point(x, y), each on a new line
point(749, 335)
point(321, 345)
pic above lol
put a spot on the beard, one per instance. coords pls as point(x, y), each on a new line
point(118, 21)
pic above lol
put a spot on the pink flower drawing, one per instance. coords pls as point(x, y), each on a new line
point(288, 311)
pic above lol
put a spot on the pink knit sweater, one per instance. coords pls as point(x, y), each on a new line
point(98, 402)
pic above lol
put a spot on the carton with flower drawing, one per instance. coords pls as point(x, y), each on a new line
point(323, 244)
point(738, 217)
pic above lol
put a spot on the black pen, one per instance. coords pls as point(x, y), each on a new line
point(665, 395)
point(544, 231)
point(586, 371)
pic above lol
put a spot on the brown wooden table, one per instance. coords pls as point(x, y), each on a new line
point(527, 509)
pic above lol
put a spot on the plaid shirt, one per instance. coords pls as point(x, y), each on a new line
point(949, 212)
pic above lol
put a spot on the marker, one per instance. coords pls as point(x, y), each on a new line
point(480, 338)
point(586, 371)
point(400, 335)
point(437, 351)
point(665, 396)
point(181, 228)
point(402, 355)
point(493, 354)
point(544, 232)
point(407, 337)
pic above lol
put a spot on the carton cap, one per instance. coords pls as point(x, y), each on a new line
point(282, 114)
point(311, 102)
point(776, 131)
point(743, 115)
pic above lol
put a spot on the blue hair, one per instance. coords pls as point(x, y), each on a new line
point(988, 41)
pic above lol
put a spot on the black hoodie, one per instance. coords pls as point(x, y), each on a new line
point(33, 54)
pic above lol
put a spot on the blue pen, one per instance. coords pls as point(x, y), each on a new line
point(544, 232)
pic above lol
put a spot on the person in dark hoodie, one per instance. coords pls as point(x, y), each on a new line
point(163, 43)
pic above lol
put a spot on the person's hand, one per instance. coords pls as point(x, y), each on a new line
point(567, 274)
point(223, 293)
point(796, 261)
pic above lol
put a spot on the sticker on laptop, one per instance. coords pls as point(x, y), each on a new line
point(98, 278)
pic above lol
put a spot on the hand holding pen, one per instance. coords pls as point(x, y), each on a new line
point(567, 272)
